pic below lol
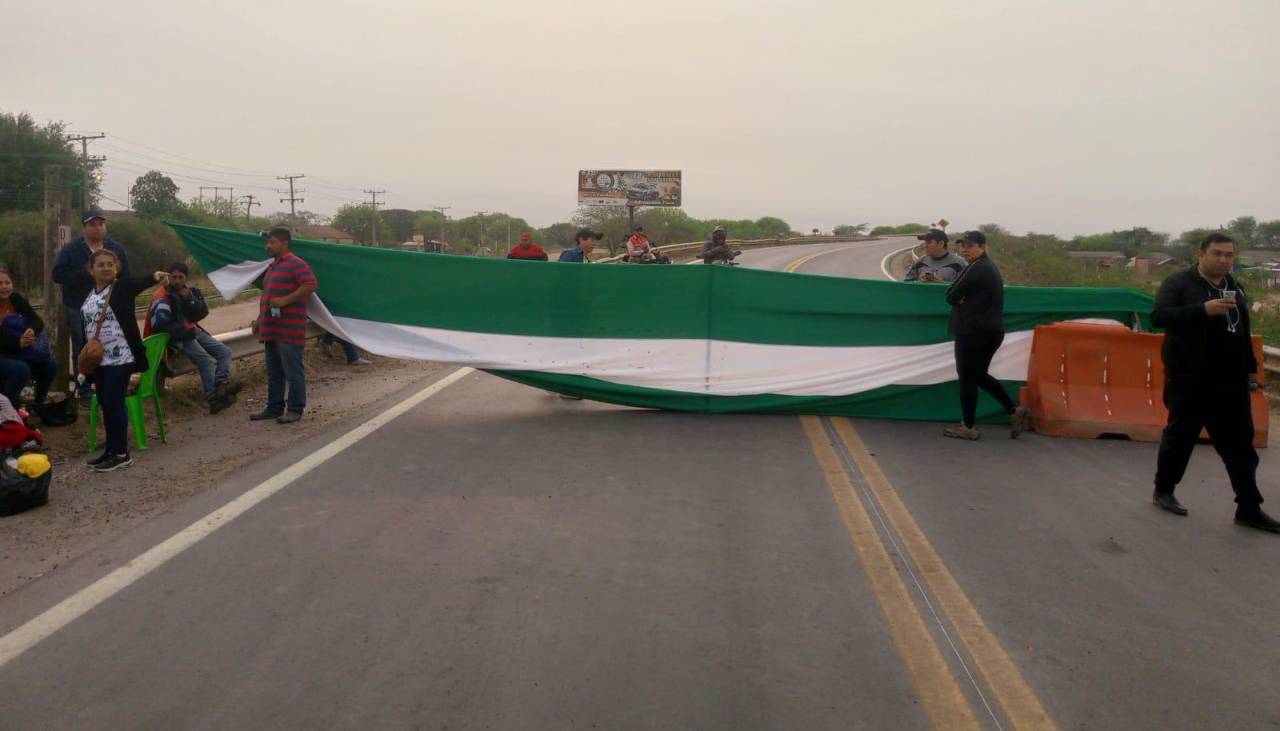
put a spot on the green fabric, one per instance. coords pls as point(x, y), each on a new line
point(940, 402)
point(699, 302)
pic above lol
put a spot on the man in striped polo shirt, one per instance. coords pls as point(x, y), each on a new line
point(282, 327)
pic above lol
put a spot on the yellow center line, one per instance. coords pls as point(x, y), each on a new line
point(1021, 704)
point(940, 695)
point(810, 257)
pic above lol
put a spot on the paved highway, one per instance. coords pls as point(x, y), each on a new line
point(489, 556)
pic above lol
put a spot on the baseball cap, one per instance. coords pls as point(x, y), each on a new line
point(934, 234)
point(976, 237)
point(90, 214)
point(586, 233)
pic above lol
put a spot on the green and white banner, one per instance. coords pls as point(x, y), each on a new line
point(701, 338)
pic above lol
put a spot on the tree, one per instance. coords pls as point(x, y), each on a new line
point(1245, 231)
point(845, 229)
point(155, 195)
point(401, 222)
point(22, 248)
point(558, 234)
point(906, 228)
point(1269, 235)
point(771, 227)
point(26, 150)
point(358, 221)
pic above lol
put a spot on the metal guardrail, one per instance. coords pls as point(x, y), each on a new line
point(1271, 360)
point(243, 343)
point(692, 248)
point(141, 310)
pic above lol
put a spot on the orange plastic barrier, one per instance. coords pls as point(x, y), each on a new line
point(1087, 380)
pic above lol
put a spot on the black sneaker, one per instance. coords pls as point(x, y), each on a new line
point(97, 460)
point(228, 388)
point(113, 462)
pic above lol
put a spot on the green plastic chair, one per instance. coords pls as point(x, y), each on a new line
point(155, 346)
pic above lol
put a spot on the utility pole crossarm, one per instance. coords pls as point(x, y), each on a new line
point(373, 204)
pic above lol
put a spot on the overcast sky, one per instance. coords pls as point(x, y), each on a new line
point(1063, 116)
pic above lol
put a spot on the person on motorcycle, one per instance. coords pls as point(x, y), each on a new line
point(717, 250)
point(638, 246)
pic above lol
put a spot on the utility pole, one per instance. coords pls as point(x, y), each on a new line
point(481, 215)
point(443, 217)
point(57, 231)
point(293, 195)
point(85, 200)
point(373, 204)
point(249, 204)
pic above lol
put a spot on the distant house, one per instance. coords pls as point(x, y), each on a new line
point(1100, 259)
point(1149, 264)
point(323, 233)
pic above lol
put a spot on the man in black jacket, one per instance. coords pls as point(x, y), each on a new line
point(977, 323)
point(1210, 369)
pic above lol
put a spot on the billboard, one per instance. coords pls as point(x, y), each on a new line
point(628, 187)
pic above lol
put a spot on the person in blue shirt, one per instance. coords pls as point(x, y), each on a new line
point(584, 244)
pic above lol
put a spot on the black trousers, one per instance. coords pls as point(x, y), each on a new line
point(1221, 408)
point(973, 358)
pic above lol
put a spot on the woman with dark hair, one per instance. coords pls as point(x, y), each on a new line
point(25, 355)
point(108, 317)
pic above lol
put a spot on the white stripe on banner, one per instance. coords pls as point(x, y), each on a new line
point(730, 369)
point(715, 367)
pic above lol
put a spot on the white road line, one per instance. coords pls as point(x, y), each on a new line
point(884, 263)
point(68, 610)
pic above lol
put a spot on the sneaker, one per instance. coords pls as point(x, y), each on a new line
point(228, 388)
point(218, 403)
point(289, 417)
point(960, 431)
point(360, 362)
point(97, 460)
point(1018, 421)
point(113, 462)
point(264, 415)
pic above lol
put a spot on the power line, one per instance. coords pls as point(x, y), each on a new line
point(241, 171)
point(249, 204)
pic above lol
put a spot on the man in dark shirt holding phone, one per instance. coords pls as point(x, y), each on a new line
point(1210, 369)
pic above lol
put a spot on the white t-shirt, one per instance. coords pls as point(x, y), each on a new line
point(114, 345)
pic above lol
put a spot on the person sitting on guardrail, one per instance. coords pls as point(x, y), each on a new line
point(1210, 369)
point(584, 243)
point(527, 250)
point(977, 323)
point(177, 308)
point(109, 318)
point(282, 327)
point(716, 250)
point(638, 245)
point(70, 269)
point(25, 355)
point(937, 264)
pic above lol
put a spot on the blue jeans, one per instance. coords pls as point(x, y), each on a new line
point(17, 369)
point(75, 326)
point(112, 383)
point(284, 364)
point(211, 358)
point(347, 348)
